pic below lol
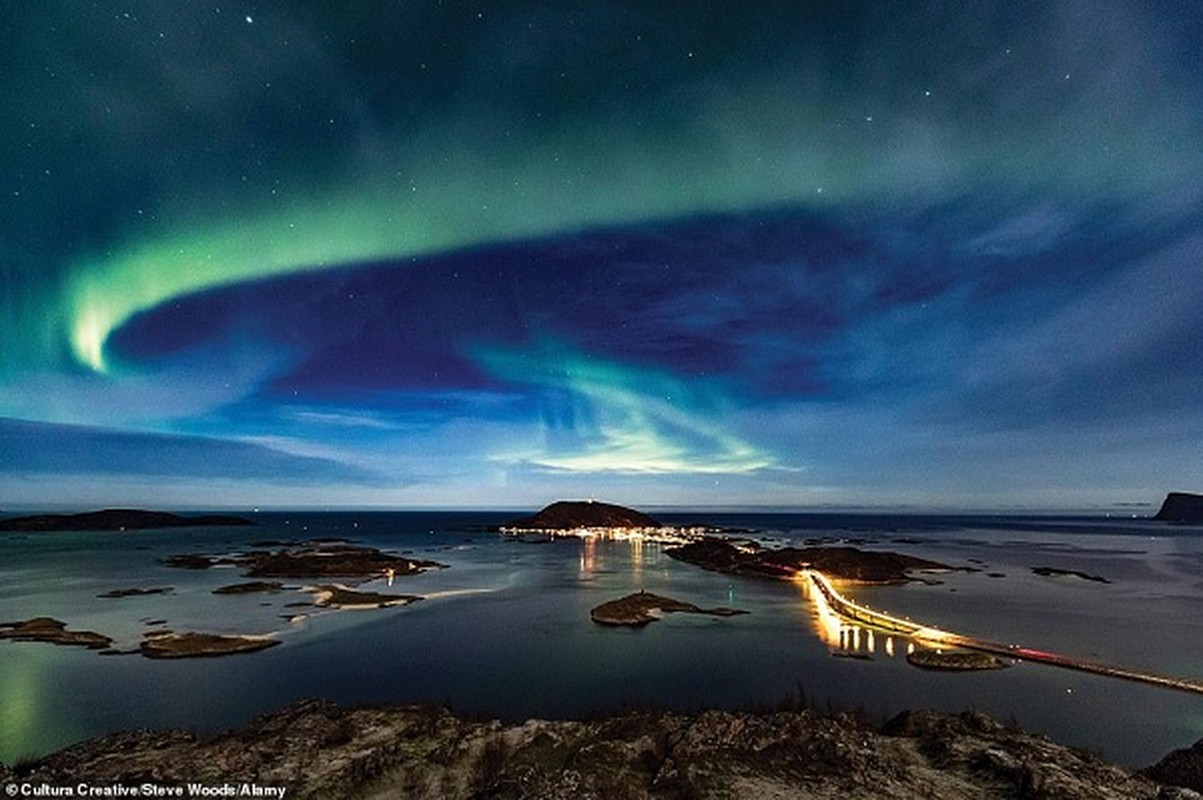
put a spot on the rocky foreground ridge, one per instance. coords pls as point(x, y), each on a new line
point(318, 750)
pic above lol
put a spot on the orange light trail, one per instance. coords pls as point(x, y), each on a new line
point(831, 602)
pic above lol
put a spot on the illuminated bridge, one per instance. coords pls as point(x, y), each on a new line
point(878, 619)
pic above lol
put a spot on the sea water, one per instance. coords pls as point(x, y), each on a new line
point(505, 629)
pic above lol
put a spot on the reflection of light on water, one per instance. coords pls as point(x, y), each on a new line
point(596, 545)
point(18, 698)
point(456, 593)
point(21, 700)
point(640, 539)
point(664, 535)
point(828, 624)
point(933, 636)
point(588, 556)
point(843, 634)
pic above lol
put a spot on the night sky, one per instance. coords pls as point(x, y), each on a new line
point(933, 255)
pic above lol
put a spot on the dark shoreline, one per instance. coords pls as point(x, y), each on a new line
point(739, 557)
point(115, 519)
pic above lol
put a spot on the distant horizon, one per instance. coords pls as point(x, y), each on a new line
point(1135, 509)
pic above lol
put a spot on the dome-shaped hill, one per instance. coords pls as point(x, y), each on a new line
point(569, 514)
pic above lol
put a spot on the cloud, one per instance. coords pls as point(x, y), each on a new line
point(35, 448)
point(345, 420)
point(194, 383)
point(1030, 232)
point(1124, 348)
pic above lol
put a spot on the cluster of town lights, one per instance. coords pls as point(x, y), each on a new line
point(664, 535)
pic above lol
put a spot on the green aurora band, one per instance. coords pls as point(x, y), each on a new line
point(484, 202)
point(757, 150)
point(642, 421)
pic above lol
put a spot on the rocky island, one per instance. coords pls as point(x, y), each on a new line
point(339, 596)
point(1056, 572)
point(117, 594)
point(200, 645)
point(318, 750)
point(567, 515)
point(638, 609)
point(1181, 507)
point(847, 563)
point(114, 519)
point(954, 660)
point(53, 631)
point(250, 587)
point(309, 560)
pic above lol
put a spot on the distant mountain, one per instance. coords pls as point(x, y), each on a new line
point(114, 519)
point(569, 514)
point(1181, 507)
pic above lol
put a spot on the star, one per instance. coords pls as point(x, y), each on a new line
point(895, 267)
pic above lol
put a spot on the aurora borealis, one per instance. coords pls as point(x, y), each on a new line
point(799, 254)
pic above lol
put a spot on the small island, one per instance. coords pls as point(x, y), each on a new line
point(45, 629)
point(202, 645)
point(114, 519)
point(250, 587)
point(116, 594)
point(1055, 572)
point(566, 515)
point(638, 609)
point(339, 596)
point(954, 660)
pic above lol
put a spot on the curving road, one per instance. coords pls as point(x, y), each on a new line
point(879, 619)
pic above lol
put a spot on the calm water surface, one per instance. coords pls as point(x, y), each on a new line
point(505, 630)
